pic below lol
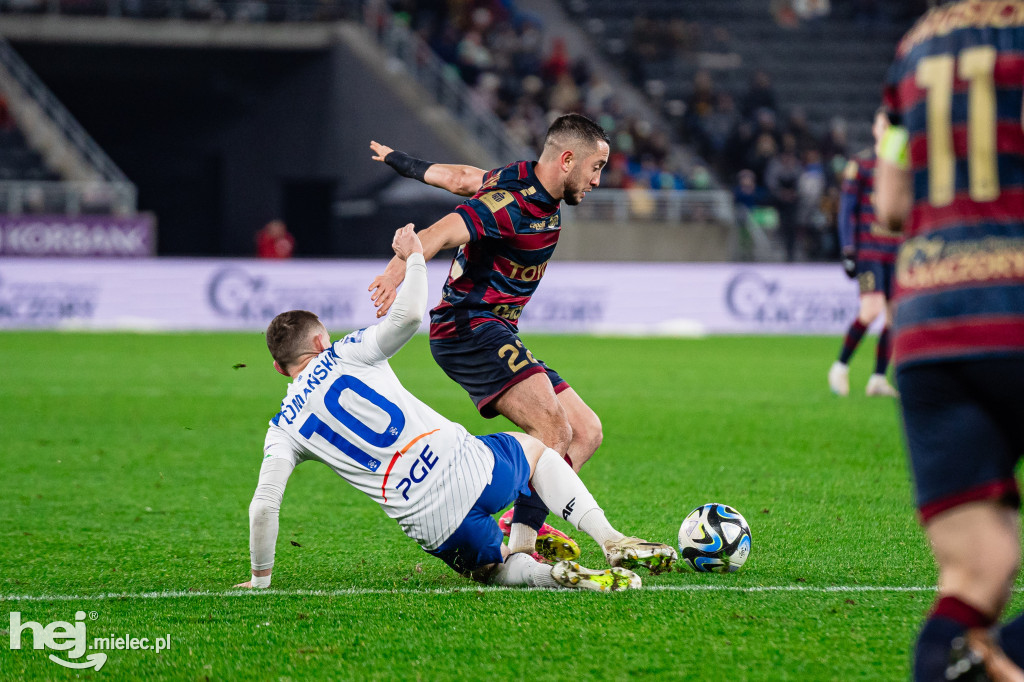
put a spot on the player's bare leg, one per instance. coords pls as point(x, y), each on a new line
point(871, 306)
point(568, 426)
point(585, 425)
point(977, 547)
point(878, 384)
point(533, 406)
point(562, 491)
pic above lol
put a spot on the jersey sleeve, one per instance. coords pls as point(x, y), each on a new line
point(376, 344)
point(360, 346)
point(280, 456)
point(849, 204)
point(490, 177)
point(891, 95)
point(279, 445)
point(491, 213)
point(406, 313)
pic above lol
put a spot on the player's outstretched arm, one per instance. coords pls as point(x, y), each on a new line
point(263, 518)
point(894, 195)
point(456, 178)
point(894, 190)
point(447, 233)
point(406, 313)
point(848, 206)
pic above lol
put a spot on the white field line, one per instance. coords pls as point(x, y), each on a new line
point(357, 591)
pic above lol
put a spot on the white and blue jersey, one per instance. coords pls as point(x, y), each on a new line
point(348, 410)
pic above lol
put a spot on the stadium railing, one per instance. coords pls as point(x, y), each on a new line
point(440, 80)
point(94, 180)
point(18, 197)
point(52, 108)
point(670, 206)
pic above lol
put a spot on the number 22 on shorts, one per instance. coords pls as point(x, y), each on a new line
point(512, 354)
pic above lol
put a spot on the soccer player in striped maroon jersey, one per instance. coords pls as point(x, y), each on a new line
point(951, 174)
point(869, 253)
point(505, 235)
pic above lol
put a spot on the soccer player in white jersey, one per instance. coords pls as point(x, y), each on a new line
point(346, 408)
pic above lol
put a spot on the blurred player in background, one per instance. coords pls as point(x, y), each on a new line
point(346, 408)
point(951, 172)
point(869, 253)
point(505, 235)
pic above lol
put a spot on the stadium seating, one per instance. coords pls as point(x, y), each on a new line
point(18, 161)
point(217, 10)
point(830, 68)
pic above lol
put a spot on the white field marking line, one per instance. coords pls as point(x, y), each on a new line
point(358, 591)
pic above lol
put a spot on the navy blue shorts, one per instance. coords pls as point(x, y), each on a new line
point(964, 425)
point(873, 276)
point(489, 362)
point(477, 540)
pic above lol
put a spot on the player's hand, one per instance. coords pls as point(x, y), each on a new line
point(246, 585)
point(406, 242)
point(383, 290)
point(380, 151)
point(849, 264)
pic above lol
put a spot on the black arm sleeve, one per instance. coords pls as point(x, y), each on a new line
point(408, 166)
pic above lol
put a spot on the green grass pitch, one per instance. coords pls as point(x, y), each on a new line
point(127, 463)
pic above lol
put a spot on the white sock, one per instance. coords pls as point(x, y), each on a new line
point(521, 569)
point(596, 526)
point(561, 488)
point(522, 538)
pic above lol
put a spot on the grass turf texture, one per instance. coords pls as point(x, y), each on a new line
point(129, 462)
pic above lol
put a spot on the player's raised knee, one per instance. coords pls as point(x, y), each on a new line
point(553, 428)
point(871, 306)
point(587, 434)
point(557, 435)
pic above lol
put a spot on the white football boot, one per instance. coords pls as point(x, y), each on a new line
point(839, 379)
point(879, 385)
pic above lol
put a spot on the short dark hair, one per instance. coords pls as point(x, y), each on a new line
point(287, 336)
point(575, 128)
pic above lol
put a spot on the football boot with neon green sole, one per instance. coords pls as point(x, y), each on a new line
point(552, 544)
point(633, 553)
point(570, 574)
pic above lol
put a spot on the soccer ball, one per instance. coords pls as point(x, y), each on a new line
point(714, 538)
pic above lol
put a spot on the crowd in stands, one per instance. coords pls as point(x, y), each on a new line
point(528, 79)
point(784, 175)
point(775, 160)
point(215, 10)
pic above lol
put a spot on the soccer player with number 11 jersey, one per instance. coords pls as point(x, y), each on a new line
point(951, 176)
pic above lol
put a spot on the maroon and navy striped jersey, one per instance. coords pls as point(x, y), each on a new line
point(513, 228)
point(957, 85)
point(871, 241)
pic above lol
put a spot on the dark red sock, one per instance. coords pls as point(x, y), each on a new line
point(853, 336)
point(956, 610)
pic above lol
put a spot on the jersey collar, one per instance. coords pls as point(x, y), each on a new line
point(542, 194)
